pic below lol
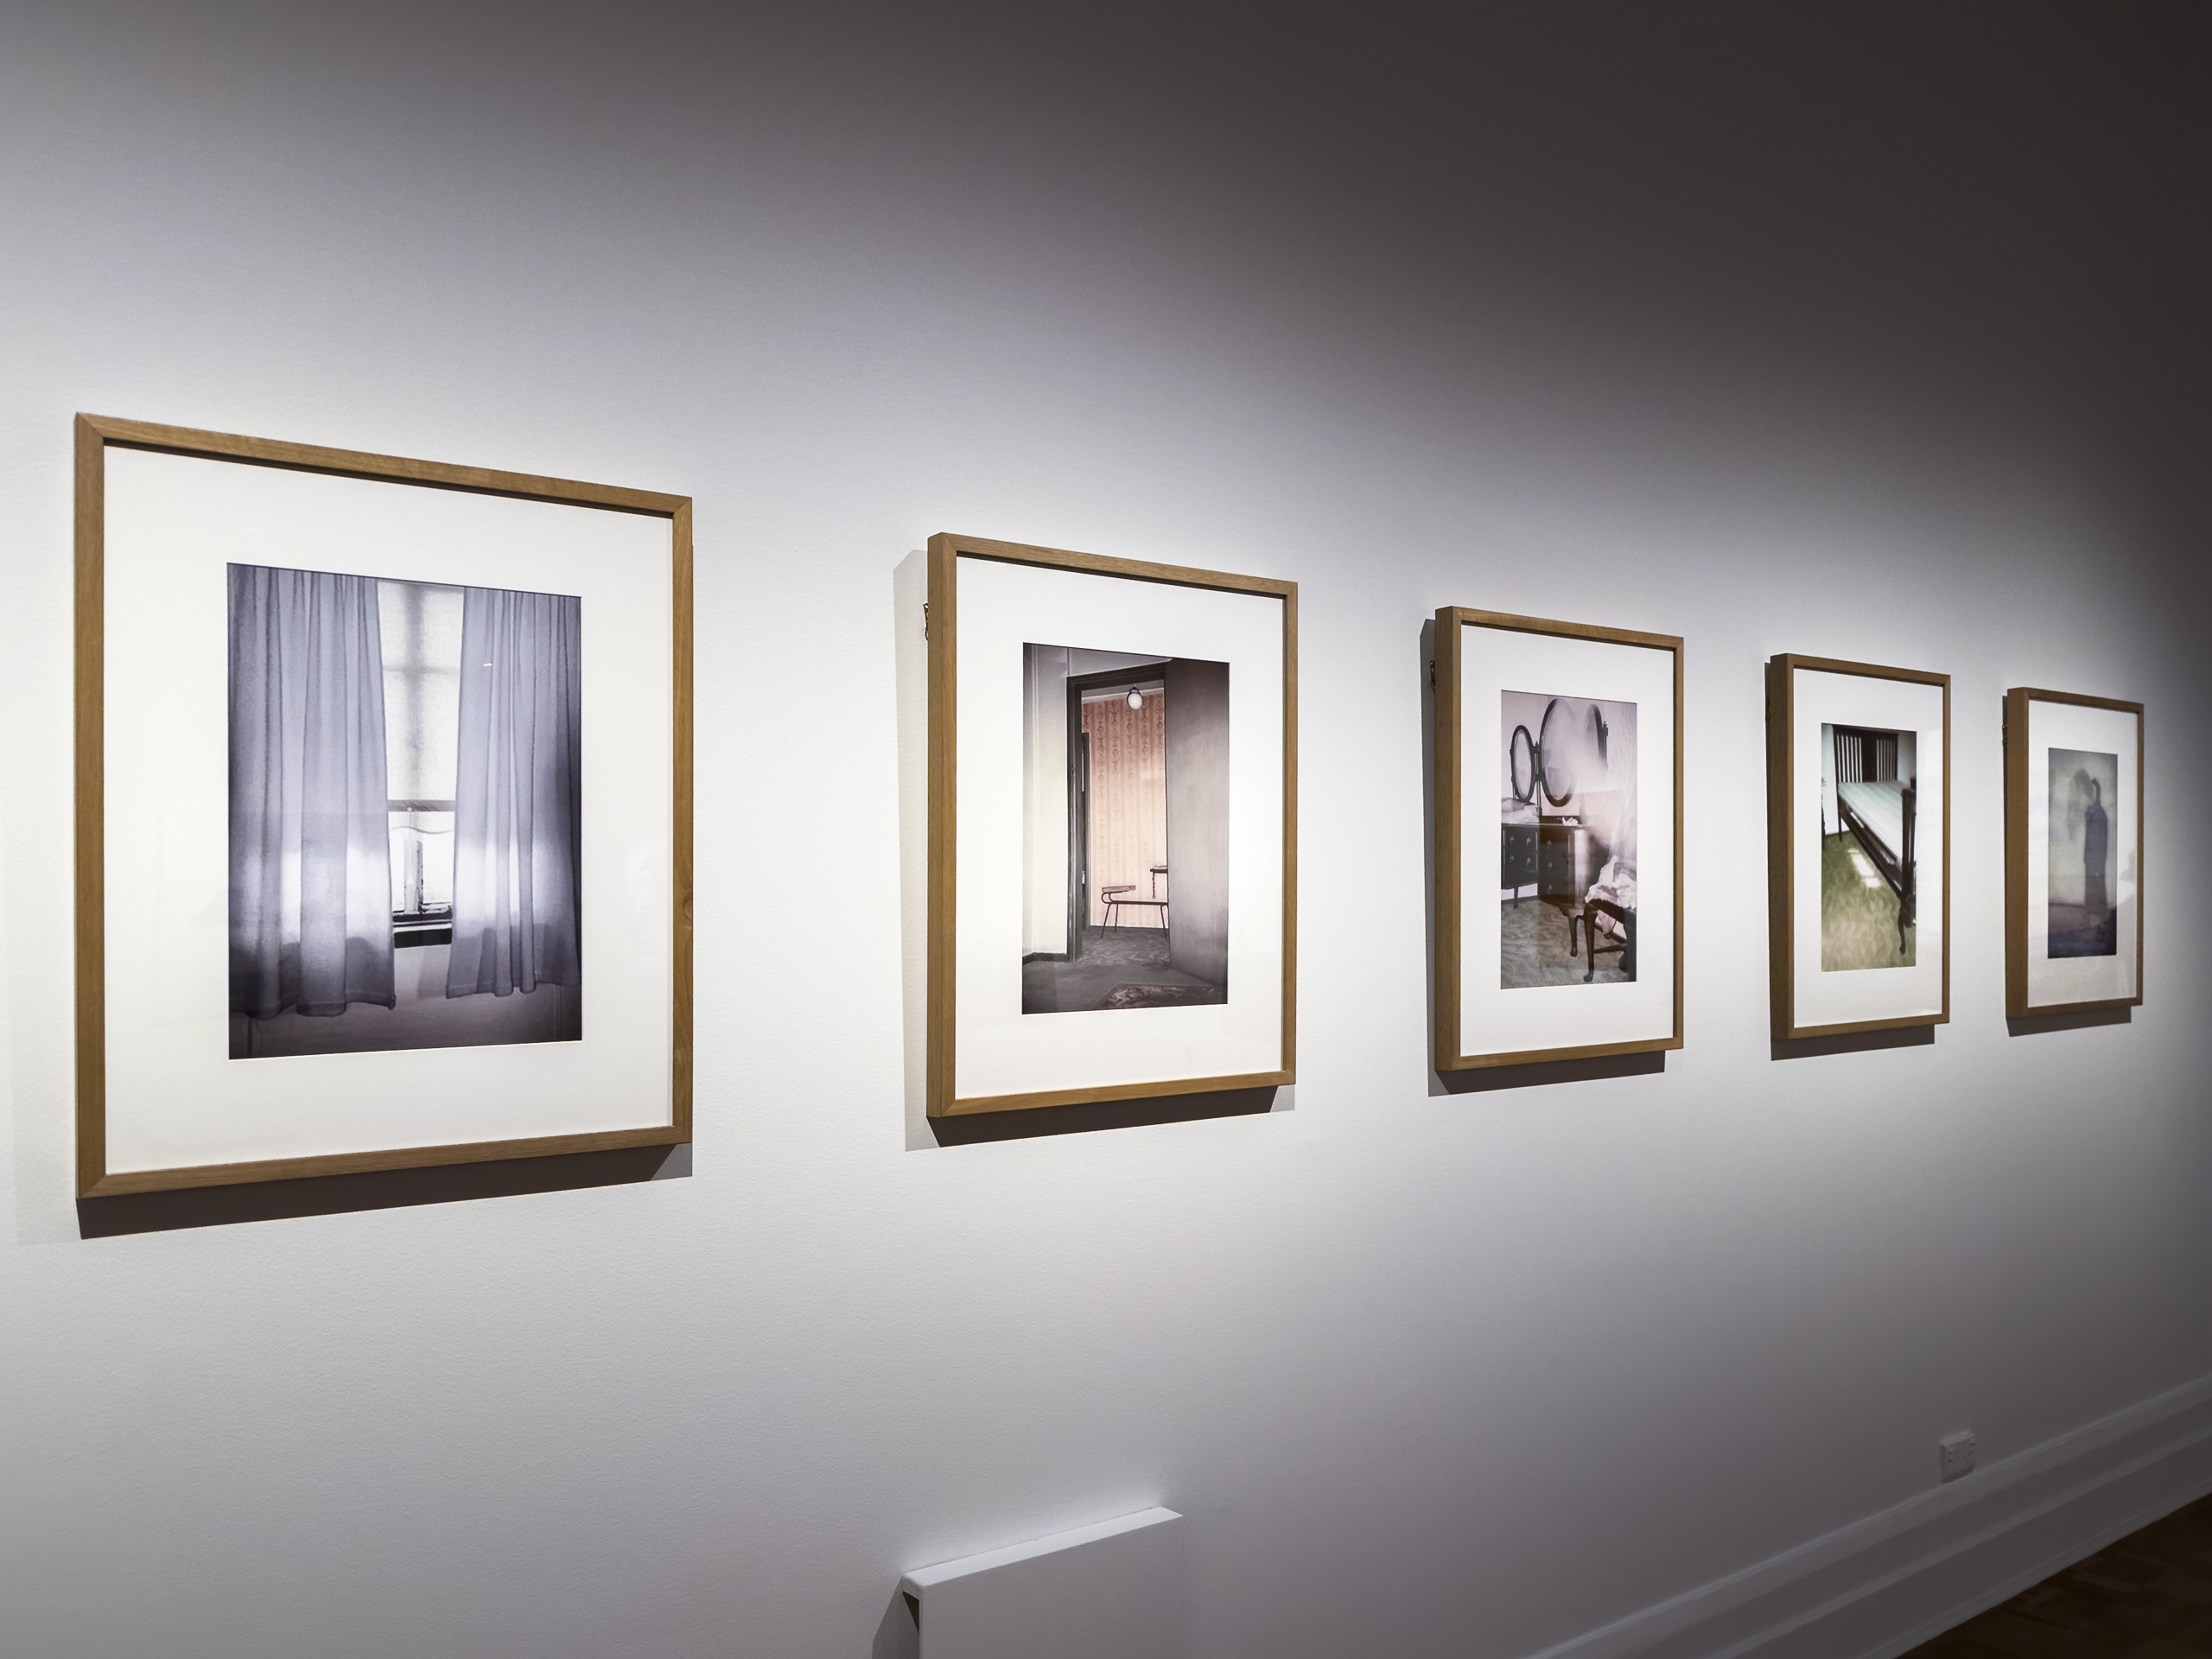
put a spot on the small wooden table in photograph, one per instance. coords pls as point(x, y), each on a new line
point(1119, 897)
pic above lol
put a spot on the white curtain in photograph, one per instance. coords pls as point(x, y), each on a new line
point(310, 848)
point(517, 801)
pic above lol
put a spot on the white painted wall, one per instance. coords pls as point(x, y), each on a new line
point(1791, 344)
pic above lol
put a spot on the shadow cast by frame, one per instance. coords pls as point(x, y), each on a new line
point(1538, 1074)
point(1853, 1042)
point(1085, 1117)
point(2036, 1024)
point(178, 1209)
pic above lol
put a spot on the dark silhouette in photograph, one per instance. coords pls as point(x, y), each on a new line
point(2081, 920)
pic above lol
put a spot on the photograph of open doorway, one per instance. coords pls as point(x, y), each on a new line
point(406, 814)
point(1112, 833)
point(1125, 837)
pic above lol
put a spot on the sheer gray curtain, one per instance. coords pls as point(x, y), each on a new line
point(310, 841)
point(518, 797)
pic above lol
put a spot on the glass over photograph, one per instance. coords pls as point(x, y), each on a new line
point(1869, 812)
point(1125, 830)
point(405, 815)
point(1568, 840)
point(2082, 921)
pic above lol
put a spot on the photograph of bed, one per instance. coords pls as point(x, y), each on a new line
point(1859, 807)
point(1876, 808)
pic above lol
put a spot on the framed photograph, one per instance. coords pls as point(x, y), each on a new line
point(384, 812)
point(1859, 816)
point(1112, 828)
point(2073, 852)
point(1559, 841)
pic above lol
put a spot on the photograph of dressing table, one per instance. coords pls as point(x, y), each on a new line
point(1542, 857)
point(1545, 857)
point(1571, 734)
point(1567, 838)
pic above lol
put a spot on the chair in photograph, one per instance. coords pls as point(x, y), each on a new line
point(1597, 940)
point(1109, 897)
point(1117, 897)
point(1613, 894)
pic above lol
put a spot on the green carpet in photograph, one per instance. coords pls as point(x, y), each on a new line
point(1858, 923)
point(1532, 949)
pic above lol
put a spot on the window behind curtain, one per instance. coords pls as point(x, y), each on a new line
point(421, 695)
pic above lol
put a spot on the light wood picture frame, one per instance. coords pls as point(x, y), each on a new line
point(1126, 927)
point(1586, 853)
point(233, 598)
point(2074, 874)
point(1849, 759)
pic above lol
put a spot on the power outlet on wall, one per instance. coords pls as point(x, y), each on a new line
point(1954, 1453)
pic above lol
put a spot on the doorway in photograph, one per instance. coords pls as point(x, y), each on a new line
point(1868, 827)
point(1568, 840)
point(2081, 921)
point(405, 815)
point(1125, 830)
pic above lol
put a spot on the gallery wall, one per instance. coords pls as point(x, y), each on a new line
point(1880, 338)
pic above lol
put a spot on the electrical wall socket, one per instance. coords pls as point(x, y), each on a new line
point(1955, 1453)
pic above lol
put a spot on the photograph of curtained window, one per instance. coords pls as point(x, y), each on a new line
point(310, 847)
point(406, 814)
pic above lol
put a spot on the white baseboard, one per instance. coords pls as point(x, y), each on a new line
point(1881, 1586)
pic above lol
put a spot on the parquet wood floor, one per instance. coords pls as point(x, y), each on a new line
point(2147, 1597)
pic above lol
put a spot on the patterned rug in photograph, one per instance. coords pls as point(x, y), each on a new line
point(1160, 996)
